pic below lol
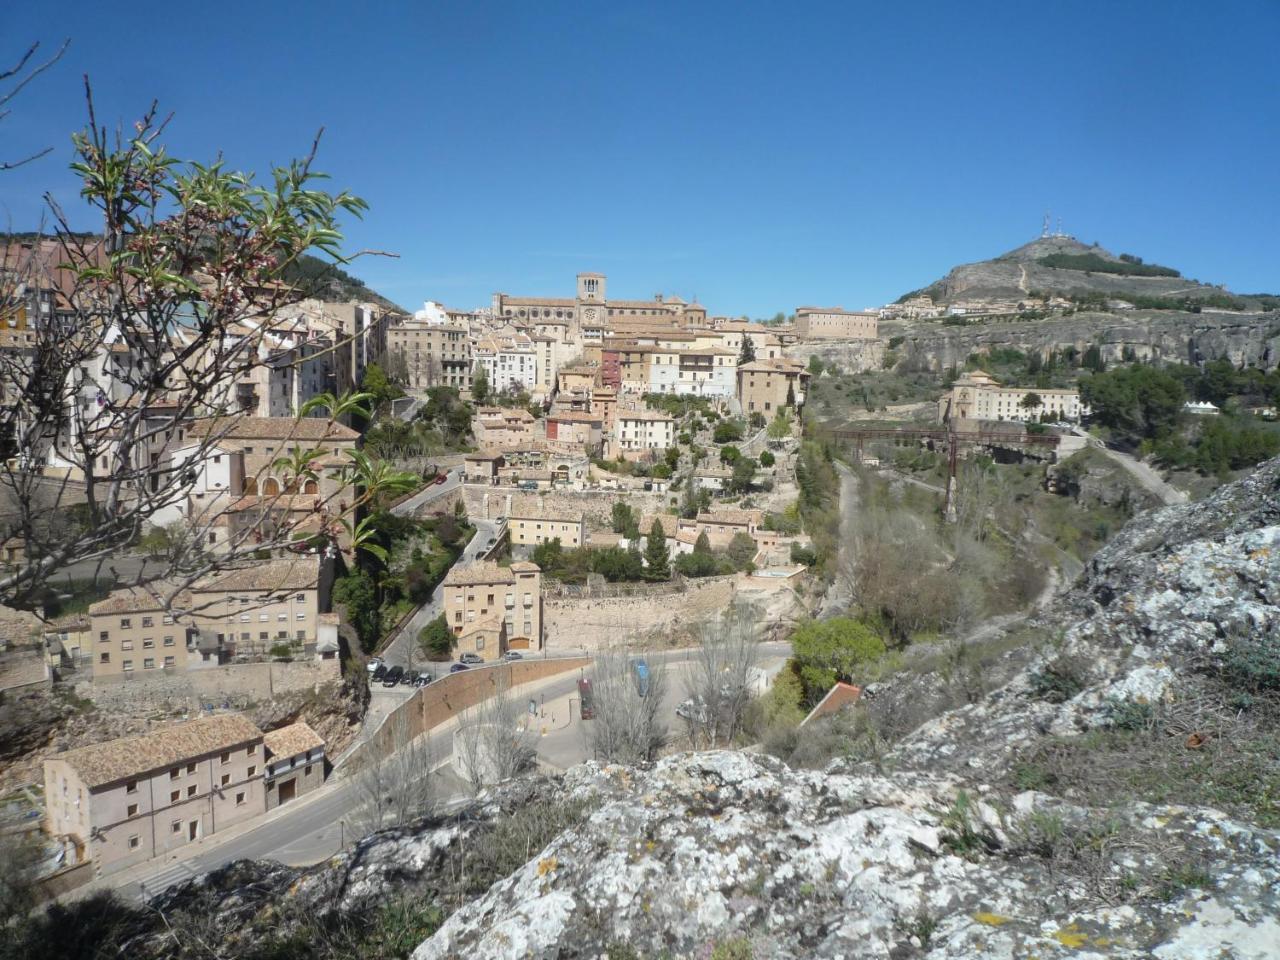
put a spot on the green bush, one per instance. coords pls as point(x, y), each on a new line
point(830, 650)
point(728, 431)
point(1092, 263)
point(1060, 680)
point(1253, 663)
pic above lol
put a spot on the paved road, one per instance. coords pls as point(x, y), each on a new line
point(1148, 478)
point(429, 493)
point(402, 650)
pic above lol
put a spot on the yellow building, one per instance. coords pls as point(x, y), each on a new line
point(980, 396)
point(767, 386)
point(482, 594)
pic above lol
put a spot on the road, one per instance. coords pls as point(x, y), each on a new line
point(315, 827)
point(402, 649)
point(1147, 478)
point(427, 494)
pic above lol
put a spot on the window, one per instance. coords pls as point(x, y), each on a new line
point(168, 618)
point(239, 799)
point(125, 623)
point(128, 665)
point(146, 621)
point(302, 634)
point(191, 791)
point(282, 616)
point(133, 842)
point(132, 810)
point(226, 778)
point(175, 796)
point(169, 661)
point(264, 617)
point(249, 749)
point(307, 771)
point(226, 758)
point(104, 658)
point(175, 826)
point(252, 770)
point(149, 663)
point(244, 618)
point(131, 786)
point(264, 634)
point(126, 645)
point(301, 598)
point(148, 643)
point(102, 636)
point(302, 616)
point(168, 641)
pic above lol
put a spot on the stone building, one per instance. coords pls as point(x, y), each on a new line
point(530, 524)
point(125, 801)
point(767, 386)
point(294, 763)
point(484, 592)
point(980, 396)
point(836, 323)
point(637, 431)
point(587, 316)
point(132, 634)
point(434, 354)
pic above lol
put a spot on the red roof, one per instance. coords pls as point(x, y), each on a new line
point(837, 698)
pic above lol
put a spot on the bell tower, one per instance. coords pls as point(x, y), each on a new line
point(591, 288)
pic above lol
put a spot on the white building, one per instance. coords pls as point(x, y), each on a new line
point(979, 396)
point(508, 362)
point(636, 430)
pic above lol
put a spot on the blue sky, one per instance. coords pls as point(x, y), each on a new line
point(756, 155)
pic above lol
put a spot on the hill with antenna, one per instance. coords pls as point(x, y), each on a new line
point(1058, 265)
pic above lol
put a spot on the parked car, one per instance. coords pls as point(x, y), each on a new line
point(458, 668)
point(393, 676)
point(642, 676)
point(693, 710)
point(440, 478)
point(423, 678)
point(513, 655)
point(470, 658)
point(379, 672)
point(373, 664)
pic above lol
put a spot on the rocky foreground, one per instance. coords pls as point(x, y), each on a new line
point(1015, 826)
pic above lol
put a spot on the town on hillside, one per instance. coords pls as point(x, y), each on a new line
point(565, 624)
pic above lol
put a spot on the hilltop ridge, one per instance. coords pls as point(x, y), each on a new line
point(1062, 266)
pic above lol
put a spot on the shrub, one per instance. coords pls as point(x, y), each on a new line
point(767, 459)
point(1060, 680)
point(728, 431)
point(1129, 714)
point(1252, 663)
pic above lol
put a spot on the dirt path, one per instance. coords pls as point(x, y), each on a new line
point(1147, 477)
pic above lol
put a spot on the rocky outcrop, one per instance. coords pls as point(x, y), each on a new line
point(936, 856)
point(1245, 340)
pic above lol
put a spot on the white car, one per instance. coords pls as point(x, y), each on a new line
point(373, 664)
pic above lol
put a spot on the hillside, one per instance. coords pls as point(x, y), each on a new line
point(327, 281)
point(1063, 266)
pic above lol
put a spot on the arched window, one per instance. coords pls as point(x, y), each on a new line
point(270, 487)
point(311, 487)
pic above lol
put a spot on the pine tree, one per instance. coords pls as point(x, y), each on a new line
point(657, 557)
point(748, 350)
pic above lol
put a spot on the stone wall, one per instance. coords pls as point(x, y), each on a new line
point(239, 684)
point(669, 619)
point(441, 701)
point(595, 505)
point(852, 356)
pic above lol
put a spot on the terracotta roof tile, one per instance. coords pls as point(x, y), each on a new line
point(102, 763)
point(292, 740)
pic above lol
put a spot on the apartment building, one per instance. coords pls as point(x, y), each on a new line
point(483, 594)
point(133, 635)
point(836, 323)
point(640, 430)
point(767, 386)
point(510, 363)
point(434, 354)
point(979, 396)
point(497, 428)
point(262, 610)
point(531, 523)
point(125, 801)
point(574, 432)
point(294, 763)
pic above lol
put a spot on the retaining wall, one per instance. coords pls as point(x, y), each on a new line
point(453, 693)
point(239, 682)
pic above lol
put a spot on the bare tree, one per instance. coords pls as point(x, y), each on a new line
point(491, 744)
point(119, 351)
point(13, 80)
point(627, 727)
point(395, 789)
point(719, 679)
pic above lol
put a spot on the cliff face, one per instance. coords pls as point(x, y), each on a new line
point(1176, 337)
